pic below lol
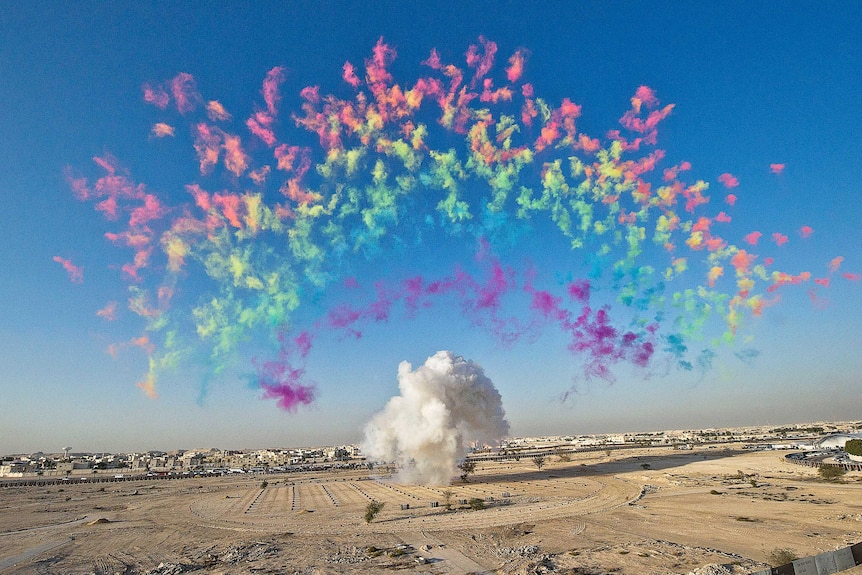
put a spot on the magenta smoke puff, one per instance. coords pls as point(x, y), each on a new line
point(444, 405)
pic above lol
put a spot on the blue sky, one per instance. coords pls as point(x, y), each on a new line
point(753, 85)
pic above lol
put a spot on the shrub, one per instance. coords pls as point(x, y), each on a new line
point(263, 484)
point(782, 556)
point(476, 504)
point(854, 447)
point(831, 472)
point(371, 510)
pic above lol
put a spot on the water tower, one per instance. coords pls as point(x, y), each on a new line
point(66, 451)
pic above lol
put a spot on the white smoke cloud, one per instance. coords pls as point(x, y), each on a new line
point(444, 406)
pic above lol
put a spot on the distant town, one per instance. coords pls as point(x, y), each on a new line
point(69, 464)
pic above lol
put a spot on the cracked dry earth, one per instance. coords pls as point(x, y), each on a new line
point(639, 512)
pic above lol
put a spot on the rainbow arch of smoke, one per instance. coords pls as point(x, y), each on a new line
point(464, 150)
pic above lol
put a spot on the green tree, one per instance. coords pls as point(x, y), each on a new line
point(372, 509)
point(467, 467)
point(476, 504)
point(539, 461)
point(447, 499)
point(854, 447)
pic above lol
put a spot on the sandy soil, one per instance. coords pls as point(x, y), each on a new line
point(644, 512)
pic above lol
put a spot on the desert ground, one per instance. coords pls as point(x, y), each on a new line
point(640, 512)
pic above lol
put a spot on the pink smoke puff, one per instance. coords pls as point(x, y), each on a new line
point(851, 276)
point(730, 199)
point(779, 239)
point(271, 95)
point(481, 62)
point(349, 75)
point(776, 168)
point(156, 96)
point(109, 312)
point(728, 180)
point(752, 238)
point(184, 91)
point(806, 231)
point(76, 273)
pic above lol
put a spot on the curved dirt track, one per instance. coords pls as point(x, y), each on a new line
point(333, 504)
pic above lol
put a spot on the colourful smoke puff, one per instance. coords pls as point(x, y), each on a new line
point(385, 177)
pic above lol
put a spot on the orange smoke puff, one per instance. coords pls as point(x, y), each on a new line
point(202, 198)
point(776, 168)
point(148, 386)
point(714, 273)
point(259, 176)
point(822, 281)
point(230, 206)
point(76, 274)
point(642, 193)
point(779, 239)
point(216, 112)
point(728, 180)
point(265, 134)
point(752, 238)
point(851, 276)
point(702, 225)
point(835, 263)
point(742, 260)
point(292, 190)
point(714, 244)
point(128, 239)
point(587, 144)
point(207, 145)
point(235, 159)
point(160, 130)
point(109, 312)
point(516, 66)
point(144, 343)
point(730, 199)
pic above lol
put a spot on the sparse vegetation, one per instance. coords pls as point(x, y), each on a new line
point(263, 484)
point(714, 492)
point(782, 556)
point(646, 466)
point(372, 509)
point(539, 461)
point(831, 472)
point(476, 504)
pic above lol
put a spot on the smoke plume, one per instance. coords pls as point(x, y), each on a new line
point(444, 406)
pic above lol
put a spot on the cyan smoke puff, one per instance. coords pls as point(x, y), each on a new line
point(444, 405)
